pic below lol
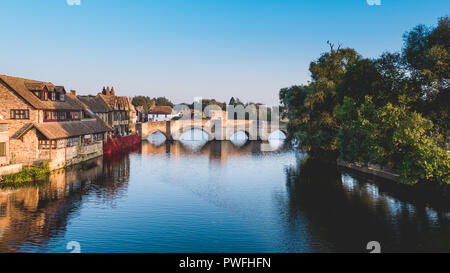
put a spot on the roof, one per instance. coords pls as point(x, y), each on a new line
point(115, 102)
point(23, 88)
point(161, 110)
point(22, 131)
point(60, 130)
point(95, 104)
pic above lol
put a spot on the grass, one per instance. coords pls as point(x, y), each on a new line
point(27, 175)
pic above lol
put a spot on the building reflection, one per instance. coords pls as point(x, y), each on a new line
point(38, 213)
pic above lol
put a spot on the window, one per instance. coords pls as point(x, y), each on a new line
point(20, 114)
point(52, 95)
point(49, 115)
point(2, 149)
point(61, 116)
point(37, 94)
point(98, 137)
point(75, 115)
point(71, 142)
point(45, 144)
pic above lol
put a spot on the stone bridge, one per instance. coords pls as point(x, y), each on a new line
point(215, 129)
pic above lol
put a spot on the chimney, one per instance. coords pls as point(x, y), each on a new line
point(73, 92)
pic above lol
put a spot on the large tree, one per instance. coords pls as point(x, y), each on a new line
point(311, 108)
point(426, 51)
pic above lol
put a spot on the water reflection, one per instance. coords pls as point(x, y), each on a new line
point(32, 217)
point(344, 213)
point(194, 139)
point(239, 139)
point(218, 198)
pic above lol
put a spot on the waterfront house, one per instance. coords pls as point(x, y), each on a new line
point(46, 123)
point(161, 113)
point(113, 110)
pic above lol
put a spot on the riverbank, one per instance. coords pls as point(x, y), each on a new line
point(27, 174)
point(428, 195)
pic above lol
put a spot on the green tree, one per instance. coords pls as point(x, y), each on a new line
point(394, 137)
point(313, 123)
point(163, 101)
point(143, 101)
point(426, 51)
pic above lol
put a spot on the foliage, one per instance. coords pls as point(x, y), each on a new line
point(392, 136)
point(311, 108)
point(143, 101)
point(28, 174)
point(392, 111)
point(163, 101)
point(426, 51)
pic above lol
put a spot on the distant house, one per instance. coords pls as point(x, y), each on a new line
point(112, 109)
point(44, 123)
point(161, 113)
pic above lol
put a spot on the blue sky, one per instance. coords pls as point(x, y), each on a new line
point(183, 49)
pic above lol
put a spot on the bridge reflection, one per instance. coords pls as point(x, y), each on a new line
point(214, 150)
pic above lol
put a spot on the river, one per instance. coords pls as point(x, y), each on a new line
point(220, 197)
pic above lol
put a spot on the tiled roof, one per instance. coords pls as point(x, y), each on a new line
point(22, 131)
point(95, 104)
point(161, 110)
point(58, 130)
point(115, 102)
point(23, 88)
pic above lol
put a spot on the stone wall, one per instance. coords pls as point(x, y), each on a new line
point(24, 149)
point(10, 169)
point(69, 156)
point(9, 102)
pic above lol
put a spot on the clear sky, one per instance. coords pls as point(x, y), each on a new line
point(183, 49)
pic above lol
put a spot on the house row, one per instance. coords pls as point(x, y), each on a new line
point(116, 111)
point(40, 121)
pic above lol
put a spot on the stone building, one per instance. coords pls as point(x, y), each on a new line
point(114, 110)
point(46, 123)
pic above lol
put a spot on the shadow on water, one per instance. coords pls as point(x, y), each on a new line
point(346, 213)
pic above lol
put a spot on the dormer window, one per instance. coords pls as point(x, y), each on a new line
point(52, 96)
point(37, 94)
point(44, 94)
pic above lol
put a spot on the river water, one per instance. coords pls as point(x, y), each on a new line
point(219, 197)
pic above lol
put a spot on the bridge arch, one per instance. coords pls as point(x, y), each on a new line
point(178, 133)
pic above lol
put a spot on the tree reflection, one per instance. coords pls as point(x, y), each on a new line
point(346, 213)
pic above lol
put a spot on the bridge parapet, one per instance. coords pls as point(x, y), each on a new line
point(216, 129)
